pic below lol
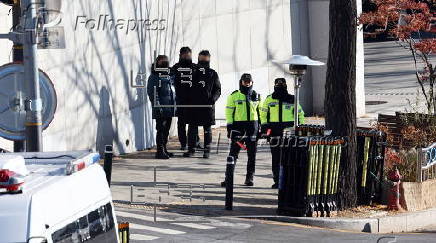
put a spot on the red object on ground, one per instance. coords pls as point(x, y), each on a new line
point(394, 191)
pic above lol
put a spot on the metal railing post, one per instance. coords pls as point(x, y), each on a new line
point(419, 165)
point(230, 168)
point(108, 156)
point(218, 143)
point(155, 175)
point(131, 194)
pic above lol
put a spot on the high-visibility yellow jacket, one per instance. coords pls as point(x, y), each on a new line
point(239, 108)
point(275, 111)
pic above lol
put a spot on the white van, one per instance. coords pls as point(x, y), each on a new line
point(64, 198)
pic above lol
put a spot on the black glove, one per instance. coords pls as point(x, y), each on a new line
point(254, 96)
point(229, 130)
point(264, 130)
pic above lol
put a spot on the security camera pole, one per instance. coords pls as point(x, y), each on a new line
point(33, 104)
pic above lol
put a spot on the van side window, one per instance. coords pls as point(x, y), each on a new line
point(98, 226)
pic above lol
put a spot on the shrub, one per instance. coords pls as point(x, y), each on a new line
point(405, 160)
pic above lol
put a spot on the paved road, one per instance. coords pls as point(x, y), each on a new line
point(389, 77)
point(182, 228)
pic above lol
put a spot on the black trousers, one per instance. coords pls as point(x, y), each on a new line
point(274, 144)
point(181, 132)
point(245, 133)
point(163, 126)
point(193, 138)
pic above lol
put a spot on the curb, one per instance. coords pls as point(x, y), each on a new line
point(407, 222)
point(369, 225)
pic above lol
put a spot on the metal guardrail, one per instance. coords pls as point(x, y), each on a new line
point(426, 164)
point(309, 176)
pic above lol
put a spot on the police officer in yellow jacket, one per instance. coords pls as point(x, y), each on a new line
point(276, 114)
point(242, 115)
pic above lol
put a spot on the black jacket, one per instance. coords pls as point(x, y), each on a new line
point(162, 90)
point(183, 75)
point(205, 90)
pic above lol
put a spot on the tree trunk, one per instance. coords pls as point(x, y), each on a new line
point(340, 101)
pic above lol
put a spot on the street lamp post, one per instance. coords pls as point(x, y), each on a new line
point(33, 102)
point(297, 67)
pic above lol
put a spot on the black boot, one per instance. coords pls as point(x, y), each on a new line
point(189, 154)
point(160, 154)
point(206, 153)
point(168, 153)
point(276, 183)
point(249, 180)
point(160, 143)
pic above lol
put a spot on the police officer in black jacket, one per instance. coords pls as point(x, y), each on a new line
point(206, 89)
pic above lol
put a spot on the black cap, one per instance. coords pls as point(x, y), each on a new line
point(279, 81)
point(246, 77)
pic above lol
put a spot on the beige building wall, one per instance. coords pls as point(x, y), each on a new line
point(92, 76)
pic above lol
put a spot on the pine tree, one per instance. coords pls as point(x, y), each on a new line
point(340, 101)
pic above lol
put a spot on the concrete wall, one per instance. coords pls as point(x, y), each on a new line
point(418, 196)
point(97, 105)
point(243, 36)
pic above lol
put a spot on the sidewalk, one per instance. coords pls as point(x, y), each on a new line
point(138, 170)
point(194, 190)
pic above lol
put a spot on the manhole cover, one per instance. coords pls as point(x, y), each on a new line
point(375, 102)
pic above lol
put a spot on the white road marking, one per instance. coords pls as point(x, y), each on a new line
point(142, 237)
point(139, 216)
point(156, 229)
point(194, 226)
point(149, 218)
